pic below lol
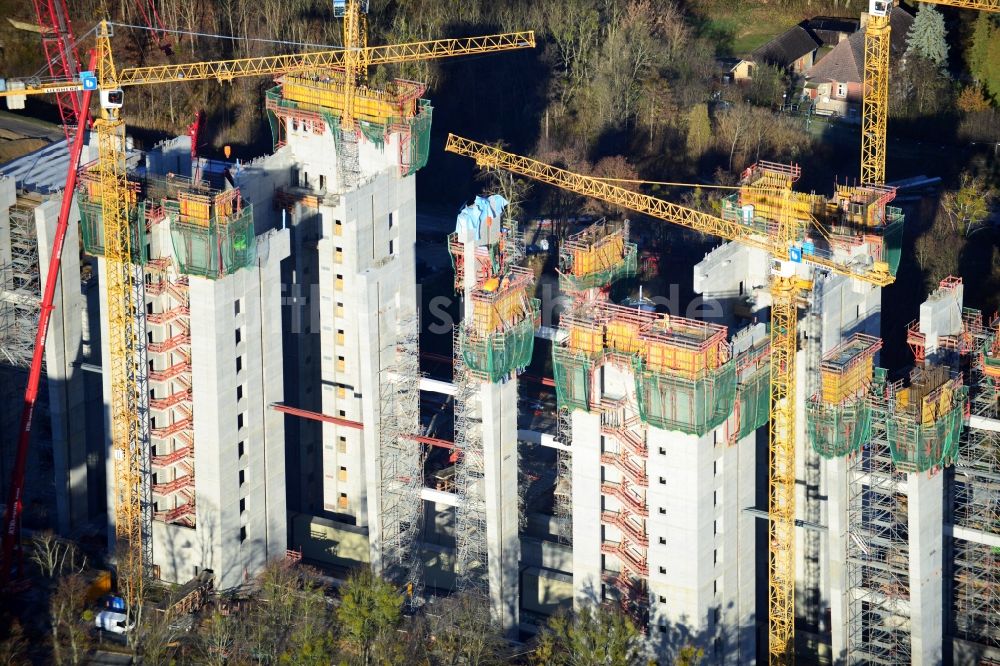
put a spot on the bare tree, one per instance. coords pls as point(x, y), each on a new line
point(14, 647)
point(70, 633)
point(55, 556)
point(464, 633)
point(217, 639)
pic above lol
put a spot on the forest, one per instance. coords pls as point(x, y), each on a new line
point(617, 88)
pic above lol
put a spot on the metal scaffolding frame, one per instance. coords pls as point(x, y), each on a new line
point(562, 494)
point(976, 506)
point(877, 550)
point(400, 461)
point(22, 288)
point(471, 545)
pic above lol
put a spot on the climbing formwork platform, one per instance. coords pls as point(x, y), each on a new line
point(838, 419)
point(596, 257)
point(500, 337)
point(683, 376)
point(923, 420)
point(315, 103)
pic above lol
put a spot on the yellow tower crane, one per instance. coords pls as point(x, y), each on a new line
point(875, 104)
point(124, 282)
point(784, 242)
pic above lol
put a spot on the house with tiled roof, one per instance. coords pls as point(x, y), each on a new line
point(835, 82)
point(793, 50)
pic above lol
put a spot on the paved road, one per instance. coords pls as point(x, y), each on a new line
point(30, 127)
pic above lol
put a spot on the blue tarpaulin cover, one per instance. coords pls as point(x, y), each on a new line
point(472, 219)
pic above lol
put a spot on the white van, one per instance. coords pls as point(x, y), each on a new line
point(113, 621)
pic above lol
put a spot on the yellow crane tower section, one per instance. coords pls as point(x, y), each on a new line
point(875, 103)
point(788, 292)
point(124, 282)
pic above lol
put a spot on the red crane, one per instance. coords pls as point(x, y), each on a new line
point(60, 52)
point(15, 497)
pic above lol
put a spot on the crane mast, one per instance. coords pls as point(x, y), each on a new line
point(875, 91)
point(788, 292)
point(124, 287)
point(124, 280)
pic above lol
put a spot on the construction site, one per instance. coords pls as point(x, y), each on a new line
point(224, 368)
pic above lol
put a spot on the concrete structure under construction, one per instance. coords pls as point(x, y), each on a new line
point(57, 494)
point(210, 262)
point(351, 205)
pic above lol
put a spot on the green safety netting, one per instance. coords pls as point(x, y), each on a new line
point(571, 370)
point(420, 137)
point(918, 448)
point(692, 406)
point(892, 238)
point(838, 430)
point(374, 132)
point(92, 229)
point(753, 397)
point(496, 355)
point(620, 271)
point(215, 250)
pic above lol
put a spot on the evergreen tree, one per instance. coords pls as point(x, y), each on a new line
point(926, 37)
point(699, 131)
point(370, 610)
point(592, 637)
point(984, 54)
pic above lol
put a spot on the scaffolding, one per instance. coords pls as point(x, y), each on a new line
point(491, 259)
point(878, 548)
point(471, 544)
point(400, 462)
point(562, 493)
point(838, 417)
point(976, 507)
point(21, 285)
point(597, 257)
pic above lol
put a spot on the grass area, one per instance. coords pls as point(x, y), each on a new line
point(740, 27)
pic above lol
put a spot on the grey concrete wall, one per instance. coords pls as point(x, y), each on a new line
point(586, 474)
point(63, 375)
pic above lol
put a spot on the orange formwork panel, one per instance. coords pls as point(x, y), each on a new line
point(623, 335)
point(846, 370)
point(684, 346)
point(327, 92)
point(600, 256)
point(498, 305)
point(584, 338)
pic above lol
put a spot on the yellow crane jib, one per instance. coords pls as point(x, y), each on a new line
point(226, 70)
point(727, 229)
point(765, 190)
point(129, 429)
